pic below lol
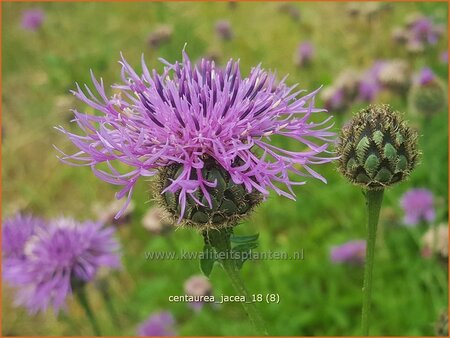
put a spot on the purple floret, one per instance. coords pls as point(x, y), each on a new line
point(158, 324)
point(57, 254)
point(350, 252)
point(305, 53)
point(369, 85)
point(223, 29)
point(193, 112)
point(15, 233)
point(417, 205)
point(426, 76)
point(425, 31)
point(32, 19)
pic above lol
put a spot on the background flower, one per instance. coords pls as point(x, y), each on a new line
point(417, 204)
point(32, 19)
point(349, 252)
point(16, 231)
point(59, 254)
point(158, 324)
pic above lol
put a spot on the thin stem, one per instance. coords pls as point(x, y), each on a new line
point(82, 298)
point(232, 271)
point(220, 240)
point(374, 199)
point(105, 292)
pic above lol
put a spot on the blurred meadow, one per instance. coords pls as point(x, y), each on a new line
point(318, 296)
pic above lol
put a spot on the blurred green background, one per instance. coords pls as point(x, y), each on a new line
point(317, 297)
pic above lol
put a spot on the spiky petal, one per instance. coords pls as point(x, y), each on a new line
point(192, 112)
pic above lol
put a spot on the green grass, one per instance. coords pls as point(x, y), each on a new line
point(316, 297)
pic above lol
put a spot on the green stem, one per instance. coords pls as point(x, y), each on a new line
point(105, 292)
point(374, 199)
point(82, 298)
point(220, 240)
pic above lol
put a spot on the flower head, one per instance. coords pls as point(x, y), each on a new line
point(334, 99)
point(197, 286)
point(426, 76)
point(428, 95)
point(305, 53)
point(377, 148)
point(205, 129)
point(424, 30)
point(32, 19)
point(435, 240)
point(158, 324)
point(159, 36)
point(395, 75)
point(16, 231)
point(417, 205)
point(223, 30)
point(369, 84)
point(349, 252)
point(56, 256)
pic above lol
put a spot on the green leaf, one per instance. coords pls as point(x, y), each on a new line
point(245, 246)
point(244, 239)
point(207, 260)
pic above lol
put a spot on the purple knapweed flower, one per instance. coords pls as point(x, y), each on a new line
point(57, 255)
point(305, 53)
point(197, 286)
point(350, 252)
point(32, 19)
point(16, 231)
point(417, 205)
point(334, 99)
point(192, 113)
point(424, 30)
point(369, 85)
point(158, 324)
point(425, 76)
point(223, 30)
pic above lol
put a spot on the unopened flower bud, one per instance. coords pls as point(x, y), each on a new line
point(228, 202)
point(428, 95)
point(377, 148)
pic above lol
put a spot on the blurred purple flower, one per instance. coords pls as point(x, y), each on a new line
point(305, 53)
point(190, 113)
point(424, 30)
point(443, 57)
point(417, 205)
point(15, 233)
point(334, 99)
point(369, 85)
point(55, 256)
point(426, 76)
point(223, 30)
point(197, 286)
point(350, 252)
point(158, 324)
point(32, 19)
